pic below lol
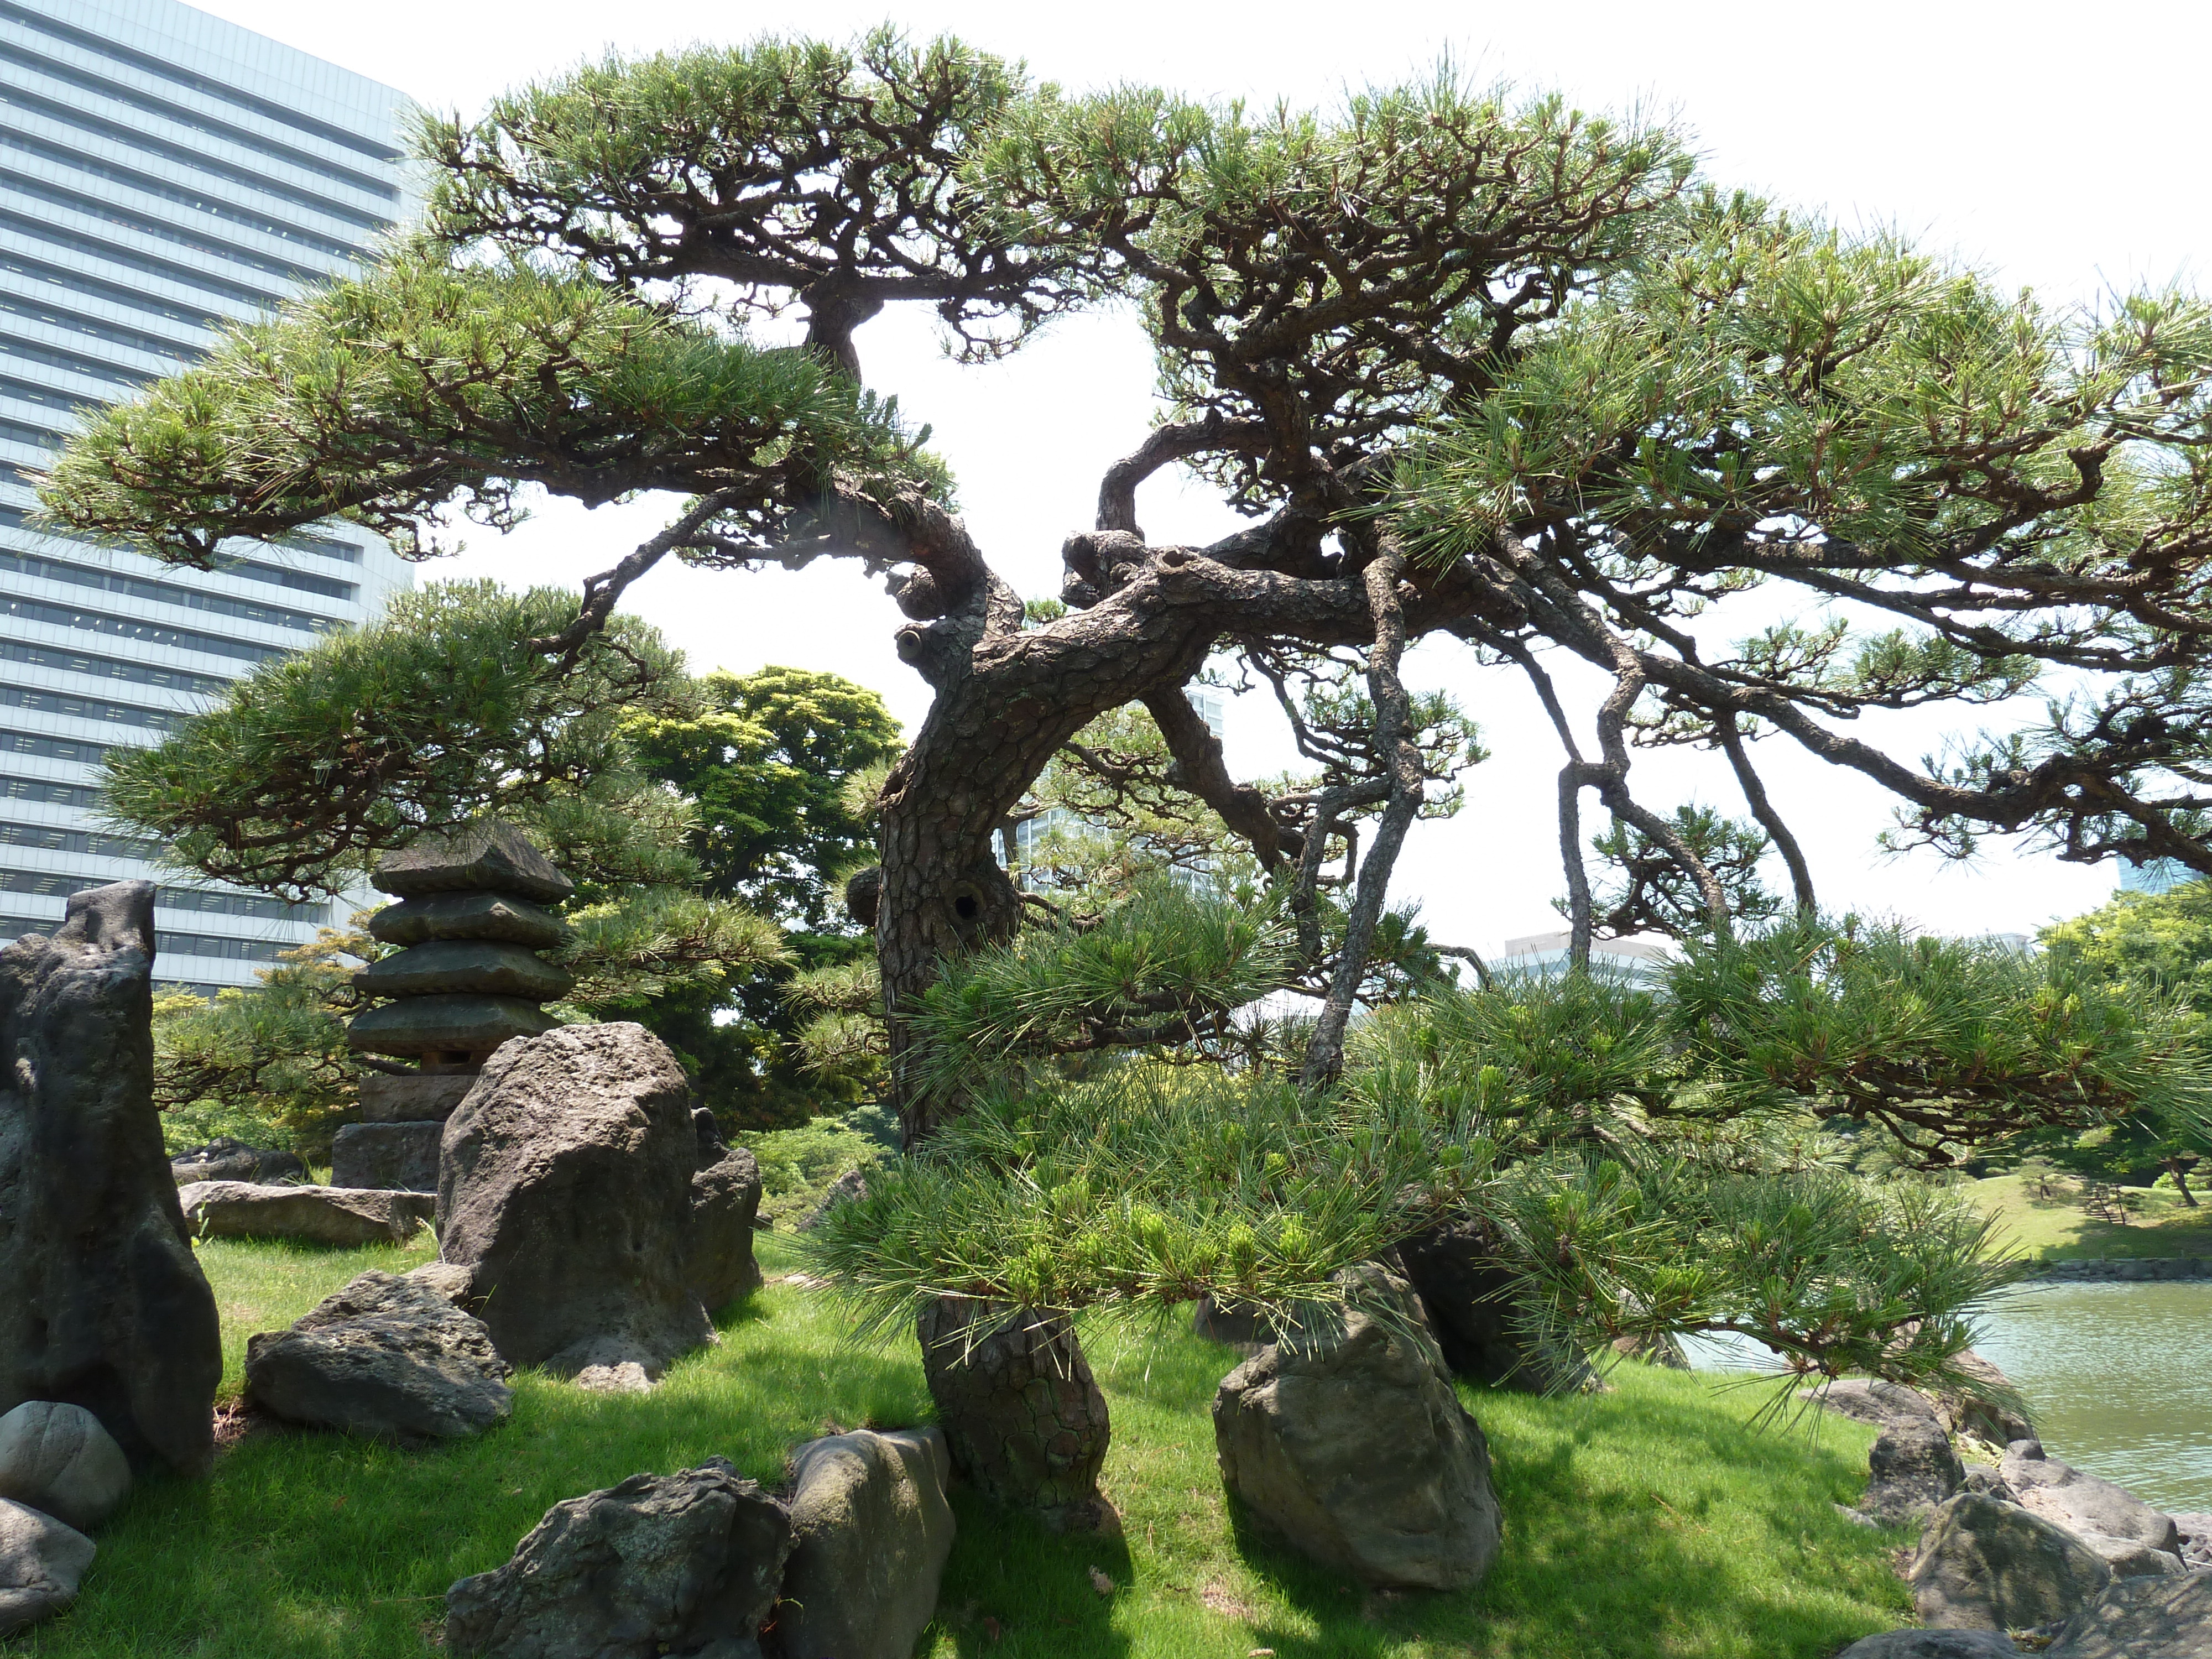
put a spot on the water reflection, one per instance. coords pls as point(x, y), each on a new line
point(2119, 1378)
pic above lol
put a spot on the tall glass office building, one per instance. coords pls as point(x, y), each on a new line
point(161, 172)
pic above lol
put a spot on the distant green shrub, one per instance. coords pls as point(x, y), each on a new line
point(799, 1165)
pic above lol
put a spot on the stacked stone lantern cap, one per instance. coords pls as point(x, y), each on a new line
point(469, 922)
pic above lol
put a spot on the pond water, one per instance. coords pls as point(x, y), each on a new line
point(2118, 1378)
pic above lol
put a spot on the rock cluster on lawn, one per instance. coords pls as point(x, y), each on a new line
point(2086, 1505)
point(1023, 1416)
point(386, 1357)
point(227, 1159)
point(1985, 1565)
point(345, 1218)
point(566, 1188)
point(101, 1302)
point(1913, 1468)
point(1467, 1296)
point(56, 1458)
point(467, 977)
point(42, 1562)
point(693, 1564)
point(726, 1196)
point(1352, 1446)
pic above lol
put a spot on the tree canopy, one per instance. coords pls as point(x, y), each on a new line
point(1472, 364)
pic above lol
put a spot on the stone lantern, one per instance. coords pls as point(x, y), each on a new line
point(470, 920)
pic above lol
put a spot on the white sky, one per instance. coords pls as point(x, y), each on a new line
point(2058, 148)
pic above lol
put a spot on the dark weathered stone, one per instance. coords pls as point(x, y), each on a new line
point(57, 1458)
point(342, 1217)
point(463, 967)
point(226, 1159)
point(1352, 1446)
point(1468, 1300)
point(1914, 1468)
point(404, 1156)
point(42, 1562)
point(2167, 1618)
point(2082, 1503)
point(1998, 1416)
point(417, 1097)
point(565, 1182)
point(1933, 1644)
point(659, 1565)
point(501, 916)
point(2130, 1559)
point(1885, 1404)
point(1988, 1566)
point(386, 1357)
point(1231, 1324)
point(871, 1530)
point(1022, 1416)
point(101, 1302)
point(490, 858)
point(443, 1024)
point(725, 1195)
point(853, 1184)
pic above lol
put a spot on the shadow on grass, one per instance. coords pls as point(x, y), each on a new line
point(1013, 1590)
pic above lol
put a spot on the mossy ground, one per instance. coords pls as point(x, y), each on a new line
point(1646, 1521)
point(2058, 1229)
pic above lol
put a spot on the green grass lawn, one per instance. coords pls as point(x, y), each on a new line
point(2058, 1229)
point(1645, 1522)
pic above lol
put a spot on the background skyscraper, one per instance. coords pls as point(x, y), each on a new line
point(161, 173)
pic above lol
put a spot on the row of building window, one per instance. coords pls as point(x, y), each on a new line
point(305, 582)
point(113, 668)
point(121, 253)
point(49, 792)
point(75, 322)
point(44, 883)
point(134, 628)
point(76, 751)
point(137, 587)
point(145, 224)
point(72, 362)
point(200, 161)
point(169, 110)
point(22, 432)
point(21, 263)
point(89, 708)
point(166, 943)
point(198, 200)
point(53, 838)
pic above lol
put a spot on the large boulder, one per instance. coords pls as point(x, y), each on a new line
point(1994, 1412)
point(42, 1562)
point(345, 1218)
point(57, 1458)
point(2082, 1503)
point(101, 1302)
point(1885, 1404)
point(2129, 1559)
point(386, 1357)
point(1468, 1298)
point(225, 1159)
point(565, 1183)
point(725, 1195)
point(2142, 1618)
point(1022, 1417)
point(388, 1156)
point(1983, 1564)
point(871, 1530)
point(659, 1565)
point(1353, 1447)
point(1912, 1468)
point(1933, 1644)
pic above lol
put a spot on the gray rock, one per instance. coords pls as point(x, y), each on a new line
point(1885, 1404)
point(2129, 1559)
point(871, 1530)
point(477, 965)
point(1468, 1298)
point(448, 1279)
point(445, 1024)
point(1022, 1417)
point(345, 1218)
point(42, 1562)
point(227, 1159)
point(1987, 1565)
point(1981, 1477)
point(57, 1458)
point(1244, 1328)
point(101, 1302)
point(1995, 1413)
point(725, 1195)
point(386, 1357)
point(843, 1190)
point(479, 857)
point(1353, 1447)
point(1664, 1349)
point(661, 1564)
point(500, 916)
point(1933, 1644)
point(2082, 1503)
point(417, 1097)
point(565, 1182)
point(2143, 1619)
point(400, 1157)
point(2195, 1530)
point(1913, 1469)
